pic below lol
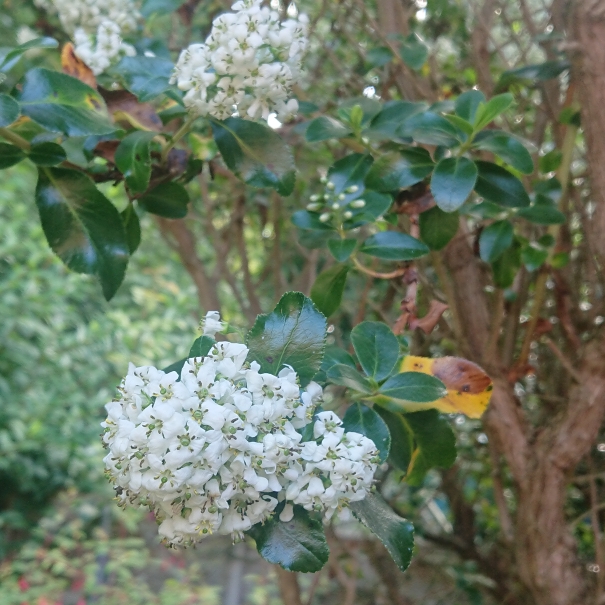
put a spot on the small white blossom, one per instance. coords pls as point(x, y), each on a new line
point(211, 324)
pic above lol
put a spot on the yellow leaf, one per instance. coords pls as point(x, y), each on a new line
point(469, 388)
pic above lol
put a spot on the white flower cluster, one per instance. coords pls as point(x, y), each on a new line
point(218, 450)
point(97, 27)
point(247, 64)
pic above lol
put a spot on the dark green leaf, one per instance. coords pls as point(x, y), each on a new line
point(362, 419)
point(9, 110)
point(538, 72)
point(167, 199)
point(430, 128)
point(452, 182)
point(495, 239)
point(293, 334)
point(467, 103)
point(544, 213)
point(201, 346)
point(10, 155)
point(256, 154)
point(132, 227)
point(341, 249)
point(377, 348)
point(550, 161)
point(47, 154)
point(63, 104)
point(413, 52)
point(533, 258)
point(133, 159)
point(506, 266)
point(385, 124)
point(492, 109)
point(550, 189)
point(346, 376)
point(378, 57)
point(335, 355)
point(369, 109)
point(298, 545)
point(376, 205)
point(395, 532)
point(392, 245)
point(414, 387)
point(82, 226)
point(177, 367)
point(498, 185)
point(348, 172)
point(437, 228)
point(506, 147)
point(393, 171)
point(8, 60)
point(146, 77)
point(328, 288)
point(304, 219)
point(324, 128)
point(402, 440)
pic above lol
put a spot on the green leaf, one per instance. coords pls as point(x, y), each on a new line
point(304, 219)
point(452, 182)
point(324, 128)
point(348, 172)
point(335, 355)
point(414, 387)
point(82, 226)
point(8, 60)
point(341, 249)
point(133, 159)
point(543, 214)
point(360, 418)
point(61, 103)
point(392, 245)
point(167, 199)
point(494, 240)
point(328, 288)
point(132, 227)
point(413, 52)
point(378, 57)
point(9, 110)
point(377, 348)
point(376, 205)
point(430, 128)
point(437, 228)
point(298, 545)
point(201, 347)
point(256, 154)
point(386, 123)
point(550, 161)
point(346, 376)
point(395, 532)
point(498, 185)
point(506, 266)
point(293, 334)
point(393, 171)
point(492, 109)
point(533, 258)
point(507, 148)
point(359, 111)
point(467, 103)
point(47, 154)
point(10, 155)
point(145, 77)
point(160, 7)
point(460, 123)
point(537, 72)
point(402, 440)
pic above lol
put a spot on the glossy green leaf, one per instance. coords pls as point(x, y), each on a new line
point(414, 52)
point(328, 288)
point(495, 239)
point(64, 104)
point(132, 227)
point(452, 182)
point(341, 249)
point(550, 161)
point(334, 355)
point(460, 123)
point(395, 532)
point(533, 258)
point(8, 60)
point(360, 418)
point(386, 123)
point(168, 199)
point(402, 439)
point(145, 77)
point(543, 214)
point(394, 171)
point(414, 387)
point(537, 72)
point(507, 148)
point(377, 348)
point(498, 185)
point(293, 334)
point(392, 245)
point(350, 171)
point(304, 219)
point(325, 128)
point(505, 268)
point(298, 545)
point(378, 57)
point(467, 103)
point(359, 111)
point(437, 228)
point(492, 109)
point(431, 128)
point(256, 154)
point(9, 110)
point(376, 205)
point(10, 155)
point(347, 376)
point(201, 346)
point(47, 154)
point(133, 159)
point(82, 226)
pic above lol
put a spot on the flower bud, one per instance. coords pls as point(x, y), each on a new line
point(330, 185)
point(314, 197)
point(348, 214)
point(325, 217)
point(341, 196)
point(358, 204)
point(335, 206)
point(314, 207)
point(352, 189)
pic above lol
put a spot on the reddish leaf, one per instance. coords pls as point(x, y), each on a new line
point(73, 66)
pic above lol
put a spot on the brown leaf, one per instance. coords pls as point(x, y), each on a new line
point(107, 150)
point(418, 198)
point(73, 66)
point(128, 112)
point(431, 319)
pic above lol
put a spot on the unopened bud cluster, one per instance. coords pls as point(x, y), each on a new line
point(332, 206)
point(96, 27)
point(247, 64)
point(216, 448)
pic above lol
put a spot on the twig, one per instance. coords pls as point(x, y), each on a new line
point(391, 275)
point(564, 361)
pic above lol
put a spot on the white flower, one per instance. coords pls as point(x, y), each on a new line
point(211, 324)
